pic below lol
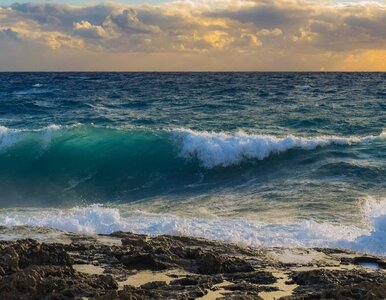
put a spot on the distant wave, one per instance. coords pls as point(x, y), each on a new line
point(36, 89)
point(307, 233)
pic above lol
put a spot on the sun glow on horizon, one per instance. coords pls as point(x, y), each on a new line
point(193, 35)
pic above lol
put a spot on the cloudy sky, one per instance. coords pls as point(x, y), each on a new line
point(193, 35)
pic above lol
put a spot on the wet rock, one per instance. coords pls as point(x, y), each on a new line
point(209, 263)
point(185, 281)
point(159, 292)
point(9, 260)
point(138, 242)
point(142, 261)
point(258, 277)
point(154, 285)
point(43, 254)
point(237, 265)
point(29, 252)
point(37, 271)
point(364, 290)
point(340, 284)
point(32, 270)
point(247, 287)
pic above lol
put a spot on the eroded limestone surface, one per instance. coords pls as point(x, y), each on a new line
point(132, 266)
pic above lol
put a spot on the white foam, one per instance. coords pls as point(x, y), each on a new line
point(223, 149)
point(36, 89)
point(47, 133)
point(307, 233)
point(375, 212)
point(211, 148)
point(10, 137)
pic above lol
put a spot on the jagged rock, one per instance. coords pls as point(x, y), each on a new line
point(209, 263)
point(154, 285)
point(236, 265)
point(9, 260)
point(341, 284)
point(185, 281)
point(142, 261)
point(33, 270)
point(257, 277)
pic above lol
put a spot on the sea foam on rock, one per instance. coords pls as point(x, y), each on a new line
point(307, 233)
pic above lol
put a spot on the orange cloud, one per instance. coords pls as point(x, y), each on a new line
point(196, 35)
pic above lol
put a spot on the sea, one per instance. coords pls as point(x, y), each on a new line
point(257, 159)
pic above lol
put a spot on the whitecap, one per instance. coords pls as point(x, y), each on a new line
point(369, 237)
point(223, 149)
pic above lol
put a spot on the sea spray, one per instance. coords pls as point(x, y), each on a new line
point(369, 236)
point(73, 164)
point(254, 158)
point(223, 149)
point(211, 148)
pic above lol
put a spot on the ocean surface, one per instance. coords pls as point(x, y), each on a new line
point(260, 159)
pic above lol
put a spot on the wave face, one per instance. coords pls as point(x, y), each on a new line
point(255, 158)
point(59, 163)
point(104, 164)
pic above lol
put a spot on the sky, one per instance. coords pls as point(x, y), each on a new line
point(193, 35)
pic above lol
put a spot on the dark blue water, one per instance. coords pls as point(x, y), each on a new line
point(329, 103)
point(269, 147)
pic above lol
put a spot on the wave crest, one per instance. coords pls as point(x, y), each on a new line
point(10, 137)
point(212, 149)
point(222, 149)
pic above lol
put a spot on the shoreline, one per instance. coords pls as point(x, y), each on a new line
point(124, 265)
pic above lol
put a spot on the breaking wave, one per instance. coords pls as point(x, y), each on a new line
point(222, 149)
point(371, 237)
point(212, 149)
point(89, 164)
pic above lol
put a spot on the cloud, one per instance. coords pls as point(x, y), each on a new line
point(267, 32)
point(127, 21)
point(265, 14)
point(8, 34)
point(216, 34)
point(60, 16)
point(87, 30)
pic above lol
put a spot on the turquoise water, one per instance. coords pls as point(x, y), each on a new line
point(255, 158)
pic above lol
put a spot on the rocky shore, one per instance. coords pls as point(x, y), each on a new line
point(132, 266)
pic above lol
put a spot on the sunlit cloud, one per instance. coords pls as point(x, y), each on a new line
point(194, 35)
